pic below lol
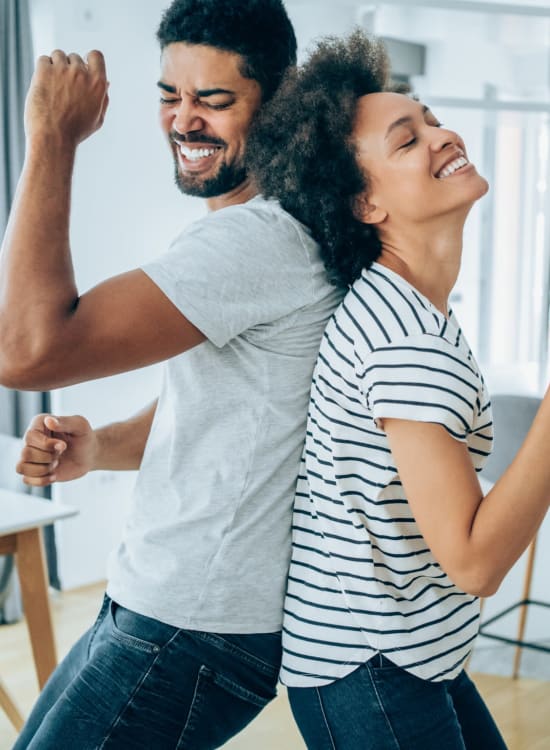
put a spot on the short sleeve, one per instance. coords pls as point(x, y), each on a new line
point(423, 378)
point(239, 267)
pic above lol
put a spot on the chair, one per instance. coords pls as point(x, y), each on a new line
point(512, 417)
point(10, 448)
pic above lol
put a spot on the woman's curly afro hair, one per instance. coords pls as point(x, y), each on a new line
point(300, 148)
point(258, 30)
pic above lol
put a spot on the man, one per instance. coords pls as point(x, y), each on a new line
point(186, 649)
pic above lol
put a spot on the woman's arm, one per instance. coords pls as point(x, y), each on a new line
point(475, 539)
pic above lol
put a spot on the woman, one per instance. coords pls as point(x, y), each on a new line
point(393, 541)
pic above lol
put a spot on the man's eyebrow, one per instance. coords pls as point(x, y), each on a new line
point(402, 121)
point(166, 87)
point(201, 93)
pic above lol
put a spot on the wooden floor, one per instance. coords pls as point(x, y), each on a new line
point(521, 707)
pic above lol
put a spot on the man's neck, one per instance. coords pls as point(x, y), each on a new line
point(241, 194)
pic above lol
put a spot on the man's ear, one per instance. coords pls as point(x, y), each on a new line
point(367, 212)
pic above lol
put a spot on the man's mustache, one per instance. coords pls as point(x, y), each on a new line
point(196, 138)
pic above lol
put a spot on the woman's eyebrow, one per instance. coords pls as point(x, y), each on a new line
point(402, 121)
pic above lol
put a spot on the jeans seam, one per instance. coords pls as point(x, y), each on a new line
point(381, 705)
point(189, 723)
point(134, 692)
point(205, 680)
point(323, 714)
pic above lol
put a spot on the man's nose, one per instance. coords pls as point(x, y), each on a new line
point(187, 118)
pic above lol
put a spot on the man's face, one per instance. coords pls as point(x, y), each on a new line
point(206, 108)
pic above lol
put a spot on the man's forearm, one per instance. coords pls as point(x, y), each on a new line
point(65, 104)
point(37, 286)
point(120, 446)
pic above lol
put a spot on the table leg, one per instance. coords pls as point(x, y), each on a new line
point(7, 703)
point(31, 566)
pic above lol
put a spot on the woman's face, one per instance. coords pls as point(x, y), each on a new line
point(418, 171)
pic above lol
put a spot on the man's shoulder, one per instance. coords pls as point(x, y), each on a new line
point(265, 214)
point(259, 228)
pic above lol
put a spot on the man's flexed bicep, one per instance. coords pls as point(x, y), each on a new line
point(122, 324)
point(50, 336)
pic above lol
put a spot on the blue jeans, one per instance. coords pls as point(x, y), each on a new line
point(133, 682)
point(382, 707)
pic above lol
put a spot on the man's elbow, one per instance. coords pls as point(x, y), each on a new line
point(21, 380)
point(24, 369)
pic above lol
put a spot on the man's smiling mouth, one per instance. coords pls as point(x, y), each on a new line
point(195, 154)
point(198, 156)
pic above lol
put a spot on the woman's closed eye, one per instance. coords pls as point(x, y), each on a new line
point(412, 139)
point(408, 143)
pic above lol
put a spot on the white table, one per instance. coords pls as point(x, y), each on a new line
point(21, 520)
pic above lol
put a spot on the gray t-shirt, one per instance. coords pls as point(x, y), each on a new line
point(207, 542)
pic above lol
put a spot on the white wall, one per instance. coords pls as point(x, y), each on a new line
point(313, 19)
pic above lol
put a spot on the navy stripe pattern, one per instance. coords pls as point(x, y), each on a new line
point(362, 578)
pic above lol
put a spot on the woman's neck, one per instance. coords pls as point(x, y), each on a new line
point(428, 259)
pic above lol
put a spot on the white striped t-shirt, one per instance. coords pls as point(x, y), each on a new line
point(362, 579)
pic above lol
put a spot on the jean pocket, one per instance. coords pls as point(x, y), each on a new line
point(138, 631)
point(232, 704)
point(261, 651)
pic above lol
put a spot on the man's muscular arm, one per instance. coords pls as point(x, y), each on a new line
point(50, 335)
point(58, 449)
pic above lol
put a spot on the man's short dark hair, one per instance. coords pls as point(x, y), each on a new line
point(258, 30)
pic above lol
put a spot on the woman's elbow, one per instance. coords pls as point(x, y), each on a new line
point(478, 581)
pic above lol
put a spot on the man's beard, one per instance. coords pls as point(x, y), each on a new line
point(229, 176)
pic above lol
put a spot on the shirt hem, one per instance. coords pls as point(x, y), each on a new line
point(225, 626)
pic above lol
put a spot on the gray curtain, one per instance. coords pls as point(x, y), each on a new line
point(16, 409)
point(16, 66)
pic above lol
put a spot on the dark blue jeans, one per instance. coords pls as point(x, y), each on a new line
point(382, 707)
point(133, 682)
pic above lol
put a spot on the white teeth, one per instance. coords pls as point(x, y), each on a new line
point(193, 154)
point(452, 167)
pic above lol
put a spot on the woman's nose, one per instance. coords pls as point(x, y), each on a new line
point(441, 138)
